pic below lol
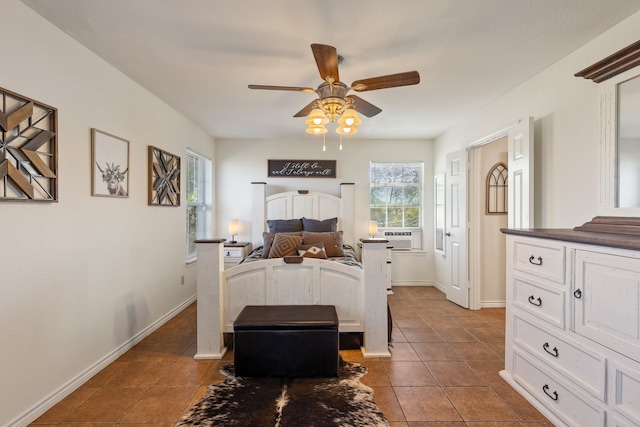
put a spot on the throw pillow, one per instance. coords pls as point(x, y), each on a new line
point(315, 250)
point(332, 242)
point(317, 226)
point(284, 225)
point(284, 245)
point(268, 241)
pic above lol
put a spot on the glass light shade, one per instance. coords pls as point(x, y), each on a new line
point(346, 130)
point(316, 117)
point(316, 129)
point(233, 227)
point(350, 118)
point(373, 228)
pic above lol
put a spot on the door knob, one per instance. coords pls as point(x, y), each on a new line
point(447, 234)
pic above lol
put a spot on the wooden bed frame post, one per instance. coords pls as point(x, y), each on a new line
point(210, 266)
point(374, 262)
point(347, 212)
point(259, 194)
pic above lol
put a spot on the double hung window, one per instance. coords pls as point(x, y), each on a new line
point(199, 196)
point(396, 194)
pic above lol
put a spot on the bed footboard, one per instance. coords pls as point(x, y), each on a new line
point(222, 294)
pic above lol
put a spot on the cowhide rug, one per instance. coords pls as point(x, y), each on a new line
point(288, 402)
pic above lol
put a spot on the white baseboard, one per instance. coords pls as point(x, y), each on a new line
point(493, 304)
point(411, 283)
point(440, 287)
point(50, 401)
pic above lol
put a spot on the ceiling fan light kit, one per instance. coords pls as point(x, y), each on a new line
point(346, 130)
point(317, 117)
point(316, 129)
point(333, 103)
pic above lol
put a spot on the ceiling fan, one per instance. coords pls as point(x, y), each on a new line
point(333, 100)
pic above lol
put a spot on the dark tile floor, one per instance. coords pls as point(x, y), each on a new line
point(443, 372)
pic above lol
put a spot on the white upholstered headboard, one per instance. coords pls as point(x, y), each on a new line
point(301, 203)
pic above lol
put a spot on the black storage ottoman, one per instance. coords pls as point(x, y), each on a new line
point(286, 341)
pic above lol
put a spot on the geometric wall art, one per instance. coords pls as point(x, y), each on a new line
point(164, 178)
point(109, 165)
point(28, 150)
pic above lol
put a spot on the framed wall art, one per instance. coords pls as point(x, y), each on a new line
point(302, 168)
point(164, 178)
point(109, 165)
point(28, 150)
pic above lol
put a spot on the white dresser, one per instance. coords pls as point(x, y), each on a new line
point(573, 325)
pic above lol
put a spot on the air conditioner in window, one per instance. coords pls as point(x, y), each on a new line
point(403, 239)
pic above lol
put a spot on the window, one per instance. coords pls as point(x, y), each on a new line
point(396, 194)
point(199, 195)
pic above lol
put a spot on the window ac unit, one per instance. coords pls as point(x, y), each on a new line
point(404, 240)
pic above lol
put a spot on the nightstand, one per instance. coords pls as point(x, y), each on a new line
point(235, 252)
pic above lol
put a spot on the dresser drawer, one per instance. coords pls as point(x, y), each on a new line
point(233, 252)
point(543, 302)
point(540, 258)
point(562, 399)
point(585, 367)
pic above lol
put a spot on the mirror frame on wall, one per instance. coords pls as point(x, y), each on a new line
point(608, 201)
point(609, 72)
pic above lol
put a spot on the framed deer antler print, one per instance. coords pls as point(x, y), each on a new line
point(109, 165)
point(164, 178)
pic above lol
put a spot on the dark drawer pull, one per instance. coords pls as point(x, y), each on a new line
point(553, 352)
point(533, 300)
point(577, 294)
point(532, 260)
point(554, 396)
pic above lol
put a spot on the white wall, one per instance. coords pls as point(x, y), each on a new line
point(565, 111)
point(81, 277)
point(239, 162)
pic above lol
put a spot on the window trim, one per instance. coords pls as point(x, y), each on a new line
point(420, 191)
point(205, 179)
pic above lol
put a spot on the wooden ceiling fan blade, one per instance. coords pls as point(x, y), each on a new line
point(306, 110)
point(292, 88)
point(327, 60)
point(364, 107)
point(383, 82)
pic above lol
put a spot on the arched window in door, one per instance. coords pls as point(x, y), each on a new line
point(497, 189)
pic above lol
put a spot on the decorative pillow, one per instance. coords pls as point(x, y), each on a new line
point(317, 226)
point(284, 245)
point(268, 241)
point(312, 251)
point(332, 242)
point(284, 225)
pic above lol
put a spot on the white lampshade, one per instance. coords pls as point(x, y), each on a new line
point(373, 228)
point(233, 227)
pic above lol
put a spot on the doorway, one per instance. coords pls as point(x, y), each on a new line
point(469, 266)
point(490, 216)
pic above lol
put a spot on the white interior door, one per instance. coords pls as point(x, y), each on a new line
point(456, 228)
point(520, 179)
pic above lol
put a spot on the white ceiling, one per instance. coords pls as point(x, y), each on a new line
point(200, 55)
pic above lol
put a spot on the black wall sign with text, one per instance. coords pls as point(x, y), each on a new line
point(302, 168)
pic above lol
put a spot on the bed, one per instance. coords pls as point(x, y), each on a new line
point(222, 294)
